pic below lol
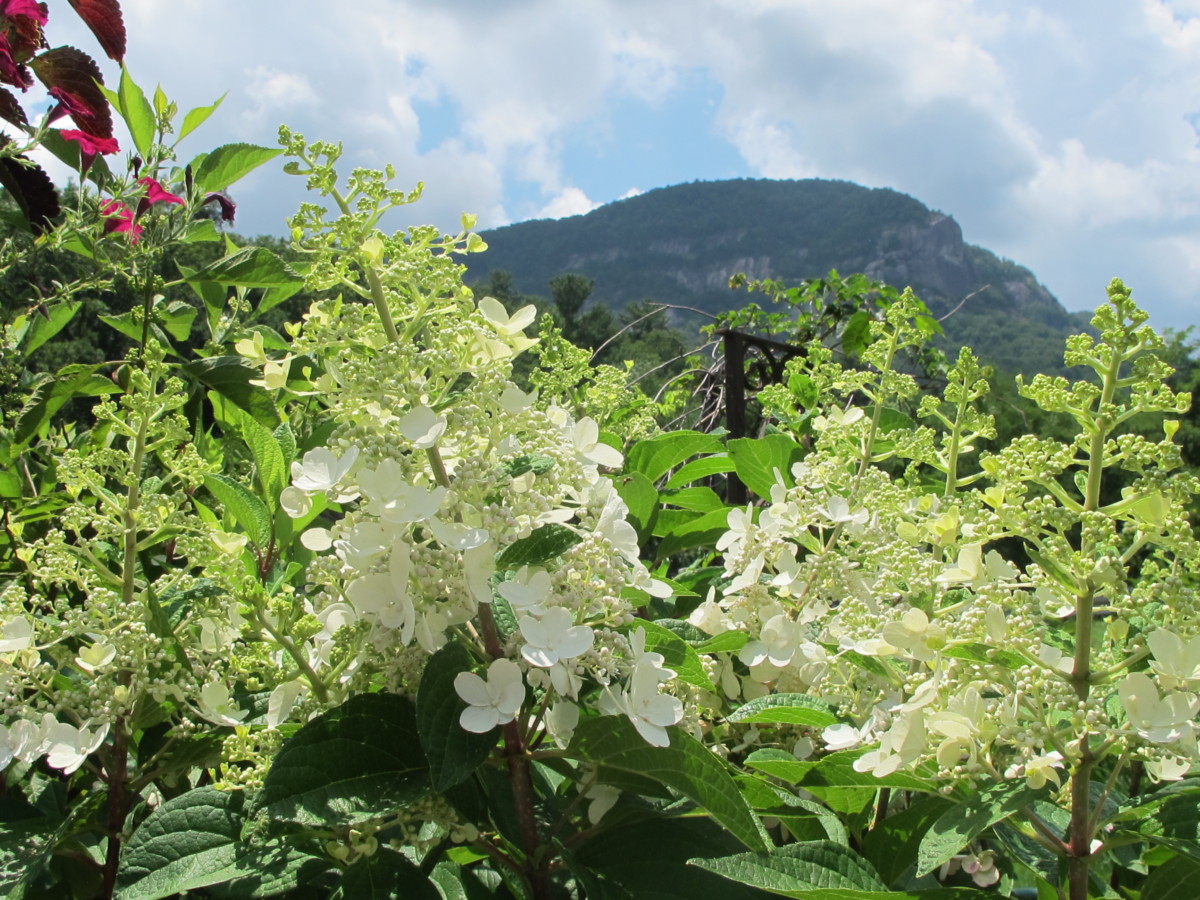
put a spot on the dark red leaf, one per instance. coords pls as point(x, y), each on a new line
point(23, 21)
point(104, 18)
point(71, 76)
point(32, 189)
point(10, 109)
point(12, 72)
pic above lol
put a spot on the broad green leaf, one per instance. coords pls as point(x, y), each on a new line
point(785, 709)
point(648, 860)
point(686, 765)
point(247, 510)
point(230, 376)
point(53, 392)
point(211, 294)
point(761, 462)
point(726, 642)
point(384, 875)
point(857, 333)
point(230, 162)
point(699, 531)
point(640, 496)
point(1175, 823)
point(656, 456)
point(250, 267)
point(961, 824)
point(705, 467)
point(269, 459)
point(891, 845)
point(124, 323)
point(453, 752)
point(1176, 879)
point(177, 318)
point(201, 231)
point(542, 545)
point(353, 763)
point(834, 770)
point(196, 117)
point(189, 842)
point(40, 328)
point(677, 654)
point(698, 499)
point(138, 114)
point(795, 869)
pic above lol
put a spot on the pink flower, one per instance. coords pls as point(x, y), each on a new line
point(21, 24)
point(156, 193)
point(90, 147)
point(227, 206)
point(119, 217)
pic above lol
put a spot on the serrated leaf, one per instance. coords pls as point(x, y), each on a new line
point(196, 117)
point(353, 763)
point(541, 545)
point(834, 770)
point(230, 377)
point(891, 845)
point(247, 510)
point(52, 393)
point(177, 319)
point(677, 654)
point(785, 709)
point(796, 869)
point(43, 327)
point(137, 113)
point(961, 824)
point(187, 843)
point(761, 462)
point(384, 875)
point(686, 766)
point(656, 456)
point(104, 19)
point(248, 267)
point(229, 162)
point(453, 753)
point(70, 72)
point(269, 459)
point(32, 189)
point(1175, 879)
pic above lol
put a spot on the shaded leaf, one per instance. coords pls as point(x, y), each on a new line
point(353, 763)
point(247, 510)
point(677, 654)
point(384, 875)
point(453, 752)
point(686, 765)
point(32, 189)
point(249, 267)
point(796, 869)
point(10, 109)
point(961, 824)
point(230, 377)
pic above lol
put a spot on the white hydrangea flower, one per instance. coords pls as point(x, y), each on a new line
point(217, 706)
point(585, 436)
point(16, 634)
point(423, 427)
point(553, 637)
point(1176, 661)
point(322, 469)
point(899, 746)
point(1160, 720)
point(650, 711)
point(493, 702)
point(527, 590)
point(777, 643)
point(67, 747)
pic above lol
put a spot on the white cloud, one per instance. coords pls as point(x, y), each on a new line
point(569, 202)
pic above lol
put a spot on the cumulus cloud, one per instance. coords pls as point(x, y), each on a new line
point(1050, 131)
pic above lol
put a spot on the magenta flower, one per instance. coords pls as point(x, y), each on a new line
point(119, 217)
point(90, 147)
point(21, 24)
point(156, 193)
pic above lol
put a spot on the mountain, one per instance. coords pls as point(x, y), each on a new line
point(681, 244)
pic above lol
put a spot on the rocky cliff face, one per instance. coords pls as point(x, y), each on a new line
point(682, 244)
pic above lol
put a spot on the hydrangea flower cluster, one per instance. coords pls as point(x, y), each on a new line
point(882, 589)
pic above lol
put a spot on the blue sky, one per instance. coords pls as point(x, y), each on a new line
point(1062, 135)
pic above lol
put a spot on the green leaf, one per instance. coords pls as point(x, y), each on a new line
point(52, 393)
point(698, 531)
point(384, 875)
point(542, 545)
point(247, 510)
point(139, 116)
point(857, 333)
point(225, 165)
point(983, 653)
point(1175, 879)
point(698, 499)
point(230, 377)
point(726, 642)
point(655, 456)
point(786, 709)
point(761, 462)
point(961, 824)
point(177, 318)
point(640, 496)
point(453, 752)
point(250, 267)
point(41, 328)
point(353, 763)
point(677, 653)
point(834, 770)
point(795, 869)
point(705, 467)
point(686, 765)
point(189, 842)
point(201, 231)
point(891, 845)
point(196, 117)
point(269, 460)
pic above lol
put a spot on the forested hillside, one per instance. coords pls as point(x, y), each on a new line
point(681, 244)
